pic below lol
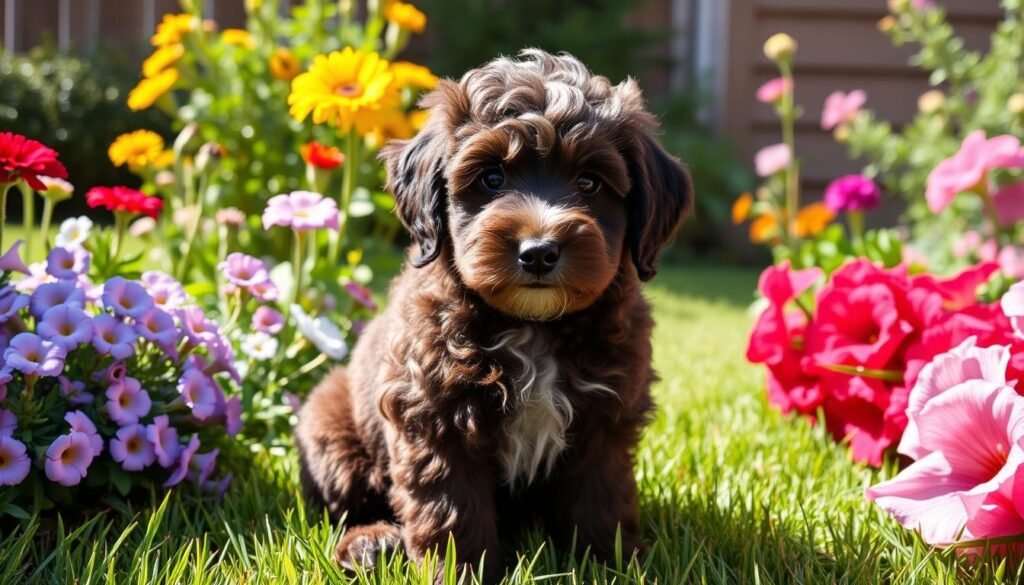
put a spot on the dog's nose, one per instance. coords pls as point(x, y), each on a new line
point(538, 256)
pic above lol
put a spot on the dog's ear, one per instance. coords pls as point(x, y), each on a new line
point(661, 194)
point(416, 178)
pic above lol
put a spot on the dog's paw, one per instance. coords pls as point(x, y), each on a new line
point(363, 545)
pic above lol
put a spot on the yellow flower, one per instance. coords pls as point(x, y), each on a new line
point(412, 75)
point(162, 58)
point(741, 208)
point(346, 88)
point(779, 47)
point(1016, 104)
point(237, 37)
point(283, 64)
point(172, 29)
point(151, 89)
point(405, 16)
point(418, 119)
point(138, 150)
point(764, 228)
point(931, 101)
point(812, 219)
point(391, 125)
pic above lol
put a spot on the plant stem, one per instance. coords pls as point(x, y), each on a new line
point(992, 213)
point(298, 243)
point(347, 184)
point(4, 188)
point(193, 231)
point(856, 219)
point(44, 228)
point(788, 115)
point(28, 216)
point(120, 225)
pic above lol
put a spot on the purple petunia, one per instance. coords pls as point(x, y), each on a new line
point(68, 459)
point(233, 416)
point(11, 302)
point(112, 337)
point(127, 298)
point(203, 464)
point(164, 438)
point(199, 392)
point(34, 356)
point(14, 461)
point(197, 328)
point(244, 270)
point(158, 326)
point(132, 449)
point(167, 293)
point(74, 391)
point(267, 320)
point(184, 462)
point(52, 294)
point(65, 264)
point(67, 326)
point(127, 402)
point(80, 423)
point(8, 422)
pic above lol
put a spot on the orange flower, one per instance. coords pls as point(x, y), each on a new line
point(811, 220)
point(405, 16)
point(764, 228)
point(741, 208)
point(321, 156)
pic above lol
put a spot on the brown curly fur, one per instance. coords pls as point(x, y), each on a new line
point(484, 397)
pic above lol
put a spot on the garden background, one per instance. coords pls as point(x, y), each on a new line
point(732, 490)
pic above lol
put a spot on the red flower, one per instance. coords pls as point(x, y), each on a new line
point(321, 156)
point(124, 199)
point(21, 158)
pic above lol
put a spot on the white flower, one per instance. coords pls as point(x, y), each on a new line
point(322, 333)
point(73, 232)
point(57, 190)
point(37, 276)
point(259, 346)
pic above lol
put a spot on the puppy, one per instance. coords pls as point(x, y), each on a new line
point(508, 379)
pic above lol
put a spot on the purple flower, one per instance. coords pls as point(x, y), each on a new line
point(244, 270)
point(66, 264)
point(267, 320)
point(265, 291)
point(10, 303)
point(167, 293)
point(217, 488)
point(301, 211)
point(68, 459)
point(8, 422)
point(158, 327)
point(164, 438)
point(74, 391)
point(14, 461)
point(67, 326)
point(203, 464)
point(127, 298)
point(5, 377)
point(132, 449)
point(11, 260)
point(197, 328)
point(127, 402)
point(51, 294)
point(199, 392)
point(34, 356)
point(233, 416)
point(852, 193)
point(112, 337)
point(80, 423)
point(362, 295)
point(184, 461)
point(222, 356)
point(37, 276)
point(292, 400)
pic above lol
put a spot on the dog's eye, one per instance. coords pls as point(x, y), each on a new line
point(588, 184)
point(492, 179)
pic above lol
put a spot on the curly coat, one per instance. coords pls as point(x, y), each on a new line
point(485, 397)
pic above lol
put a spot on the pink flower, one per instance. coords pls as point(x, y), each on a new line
point(184, 462)
point(68, 459)
point(230, 216)
point(132, 449)
point(971, 434)
point(852, 193)
point(362, 295)
point(267, 320)
point(80, 423)
point(14, 461)
point(112, 337)
point(8, 423)
point(32, 355)
point(11, 261)
point(301, 211)
point(773, 90)
point(841, 107)
point(968, 169)
point(772, 159)
point(167, 293)
point(961, 290)
point(164, 439)
point(1011, 261)
point(199, 393)
point(127, 402)
point(158, 326)
point(1013, 307)
point(1009, 203)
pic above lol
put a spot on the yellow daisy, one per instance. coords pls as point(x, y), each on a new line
point(237, 37)
point(409, 74)
point(345, 88)
point(172, 29)
point(151, 89)
point(391, 125)
point(418, 119)
point(405, 16)
point(138, 149)
point(162, 58)
point(283, 64)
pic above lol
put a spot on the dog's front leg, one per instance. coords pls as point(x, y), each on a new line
point(442, 490)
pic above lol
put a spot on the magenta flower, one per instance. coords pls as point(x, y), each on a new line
point(265, 291)
point(34, 356)
point(773, 90)
point(267, 320)
point(362, 295)
point(244, 270)
point(166, 292)
point(301, 211)
point(199, 392)
point(8, 423)
point(852, 193)
point(112, 337)
point(968, 169)
point(68, 459)
point(11, 260)
point(14, 461)
point(80, 423)
point(972, 435)
point(1013, 307)
point(67, 326)
point(772, 159)
point(11, 302)
point(841, 107)
point(158, 326)
point(184, 462)
point(51, 294)
point(233, 416)
point(74, 391)
point(1009, 203)
point(127, 298)
point(164, 439)
point(132, 449)
point(127, 402)
point(65, 264)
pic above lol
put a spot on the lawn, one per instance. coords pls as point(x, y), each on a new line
point(731, 492)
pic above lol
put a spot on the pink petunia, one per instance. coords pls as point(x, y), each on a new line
point(1012, 304)
point(244, 270)
point(132, 449)
point(68, 458)
point(772, 159)
point(14, 461)
point(301, 211)
point(852, 193)
point(1011, 261)
point(267, 320)
point(80, 423)
point(164, 439)
point(198, 392)
point(167, 293)
point(773, 90)
point(968, 169)
point(127, 402)
point(361, 294)
point(841, 107)
point(1009, 203)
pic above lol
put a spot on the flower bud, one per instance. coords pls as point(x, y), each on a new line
point(184, 141)
point(886, 23)
point(208, 157)
point(931, 101)
point(780, 47)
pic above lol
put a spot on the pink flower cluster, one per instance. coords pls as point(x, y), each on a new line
point(969, 168)
point(857, 353)
point(129, 366)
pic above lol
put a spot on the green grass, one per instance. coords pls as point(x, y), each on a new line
point(731, 493)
